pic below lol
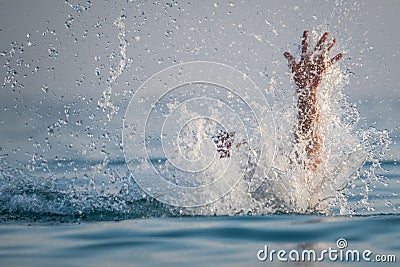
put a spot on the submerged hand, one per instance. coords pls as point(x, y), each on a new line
point(309, 71)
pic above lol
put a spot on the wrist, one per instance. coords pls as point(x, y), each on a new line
point(308, 87)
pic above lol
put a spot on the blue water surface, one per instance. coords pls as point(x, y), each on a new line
point(197, 241)
point(156, 237)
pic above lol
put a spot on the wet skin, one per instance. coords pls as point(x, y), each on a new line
point(308, 74)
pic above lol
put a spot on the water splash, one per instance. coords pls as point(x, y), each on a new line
point(105, 102)
point(103, 189)
point(79, 7)
point(292, 188)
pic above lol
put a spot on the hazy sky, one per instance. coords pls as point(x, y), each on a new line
point(63, 51)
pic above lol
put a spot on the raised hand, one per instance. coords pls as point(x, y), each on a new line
point(308, 74)
point(309, 71)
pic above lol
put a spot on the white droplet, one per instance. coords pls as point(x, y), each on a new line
point(45, 88)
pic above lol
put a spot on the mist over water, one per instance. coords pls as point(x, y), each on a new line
point(68, 83)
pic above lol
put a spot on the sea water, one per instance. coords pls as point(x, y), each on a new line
point(71, 194)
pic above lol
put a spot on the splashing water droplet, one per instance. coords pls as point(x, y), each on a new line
point(68, 23)
point(53, 53)
point(45, 88)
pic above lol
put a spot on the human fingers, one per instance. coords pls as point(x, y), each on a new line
point(335, 59)
point(331, 45)
point(321, 41)
point(304, 43)
point(290, 58)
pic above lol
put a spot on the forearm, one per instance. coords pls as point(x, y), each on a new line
point(308, 74)
point(307, 113)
